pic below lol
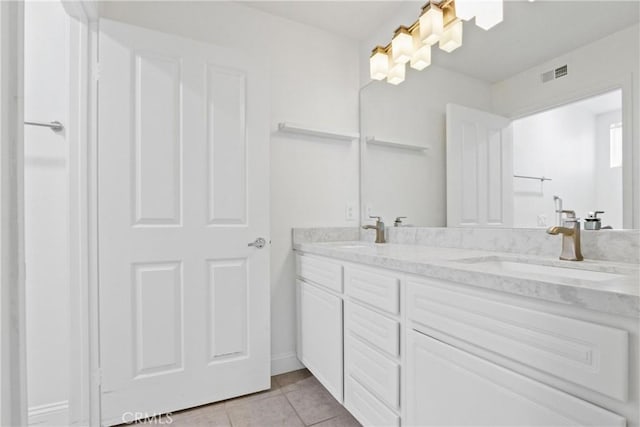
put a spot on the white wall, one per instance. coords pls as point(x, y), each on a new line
point(608, 180)
point(314, 81)
point(558, 144)
point(399, 182)
point(606, 64)
point(46, 210)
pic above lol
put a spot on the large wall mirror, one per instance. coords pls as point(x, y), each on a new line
point(552, 87)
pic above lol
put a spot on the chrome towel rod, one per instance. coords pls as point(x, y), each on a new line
point(55, 126)
point(540, 178)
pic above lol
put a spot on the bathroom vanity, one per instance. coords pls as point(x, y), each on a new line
point(416, 333)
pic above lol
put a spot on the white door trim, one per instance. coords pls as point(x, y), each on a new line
point(13, 393)
point(84, 397)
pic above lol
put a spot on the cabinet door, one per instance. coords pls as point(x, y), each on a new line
point(447, 386)
point(321, 336)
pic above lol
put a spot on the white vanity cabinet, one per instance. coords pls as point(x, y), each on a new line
point(372, 345)
point(472, 360)
point(351, 314)
point(452, 387)
point(320, 341)
point(420, 351)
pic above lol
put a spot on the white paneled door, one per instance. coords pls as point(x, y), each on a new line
point(182, 189)
point(479, 168)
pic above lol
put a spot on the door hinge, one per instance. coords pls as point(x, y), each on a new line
point(96, 72)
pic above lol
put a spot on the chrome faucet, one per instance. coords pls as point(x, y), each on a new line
point(558, 203)
point(570, 231)
point(379, 227)
point(398, 221)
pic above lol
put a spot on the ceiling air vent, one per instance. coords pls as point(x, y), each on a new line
point(561, 71)
point(554, 74)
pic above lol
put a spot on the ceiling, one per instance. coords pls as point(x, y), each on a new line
point(353, 19)
point(531, 33)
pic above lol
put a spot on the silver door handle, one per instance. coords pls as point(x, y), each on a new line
point(258, 243)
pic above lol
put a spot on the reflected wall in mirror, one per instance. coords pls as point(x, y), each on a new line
point(562, 126)
point(578, 147)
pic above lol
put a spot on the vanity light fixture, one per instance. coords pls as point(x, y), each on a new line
point(440, 22)
point(452, 37)
point(402, 45)
point(489, 15)
point(421, 57)
point(466, 9)
point(431, 24)
point(396, 73)
point(379, 63)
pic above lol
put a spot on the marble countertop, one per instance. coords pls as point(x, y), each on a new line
point(596, 285)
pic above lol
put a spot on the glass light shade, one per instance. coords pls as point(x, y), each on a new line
point(396, 73)
point(452, 36)
point(379, 64)
point(421, 58)
point(466, 9)
point(431, 24)
point(402, 46)
point(488, 13)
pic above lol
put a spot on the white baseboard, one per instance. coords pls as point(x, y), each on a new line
point(51, 414)
point(286, 362)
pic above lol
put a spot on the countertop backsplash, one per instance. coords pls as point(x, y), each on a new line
point(605, 245)
point(325, 234)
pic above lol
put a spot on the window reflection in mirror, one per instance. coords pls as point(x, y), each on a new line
point(577, 146)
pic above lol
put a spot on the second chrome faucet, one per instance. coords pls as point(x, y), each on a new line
point(379, 227)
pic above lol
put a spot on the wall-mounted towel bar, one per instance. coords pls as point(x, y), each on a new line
point(55, 126)
point(539, 178)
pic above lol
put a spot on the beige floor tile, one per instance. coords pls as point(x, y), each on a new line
point(301, 382)
point(213, 415)
point(290, 378)
point(314, 403)
point(345, 420)
point(274, 411)
point(273, 391)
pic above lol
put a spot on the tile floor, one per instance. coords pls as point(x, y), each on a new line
point(295, 399)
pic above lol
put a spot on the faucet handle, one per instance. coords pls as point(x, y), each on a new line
point(570, 214)
point(398, 221)
point(377, 218)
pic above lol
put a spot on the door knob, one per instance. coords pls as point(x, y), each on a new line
point(258, 243)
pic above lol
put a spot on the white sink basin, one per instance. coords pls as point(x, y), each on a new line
point(525, 268)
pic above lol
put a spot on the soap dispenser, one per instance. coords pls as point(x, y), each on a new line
point(592, 222)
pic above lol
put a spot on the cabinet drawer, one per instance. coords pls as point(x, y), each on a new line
point(372, 370)
point(320, 271)
point(373, 287)
point(366, 408)
point(584, 353)
point(448, 386)
point(378, 330)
